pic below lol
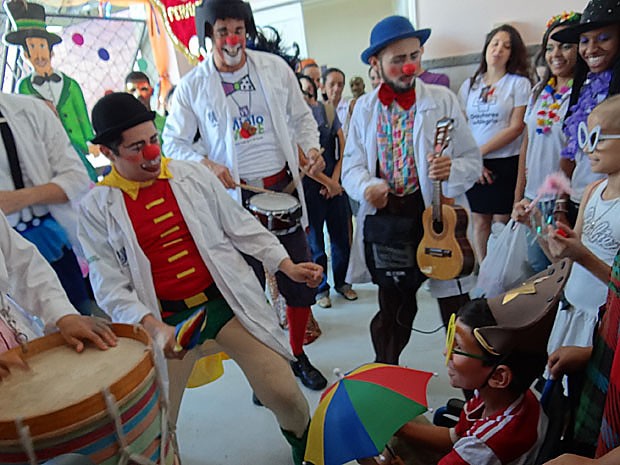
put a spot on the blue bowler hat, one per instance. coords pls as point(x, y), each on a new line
point(390, 30)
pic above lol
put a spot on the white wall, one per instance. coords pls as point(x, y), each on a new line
point(459, 26)
point(337, 31)
point(287, 20)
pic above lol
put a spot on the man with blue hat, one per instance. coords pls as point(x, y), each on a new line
point(389, 167)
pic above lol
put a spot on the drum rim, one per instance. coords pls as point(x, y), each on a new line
point(76, 413)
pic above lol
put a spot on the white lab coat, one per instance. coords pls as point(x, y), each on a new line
point(45, 155)
point(360, 158)
point(121, 273)
point(200, 103)
point(30, 281)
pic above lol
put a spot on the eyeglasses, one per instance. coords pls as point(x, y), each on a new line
point(589, 140)
point(450, 350)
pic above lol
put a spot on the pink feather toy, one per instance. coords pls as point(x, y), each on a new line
point(554, 184)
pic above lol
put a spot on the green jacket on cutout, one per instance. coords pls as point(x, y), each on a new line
point(73, 115)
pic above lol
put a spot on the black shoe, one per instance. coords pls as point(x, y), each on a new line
point(256, 401)
point(309, 376)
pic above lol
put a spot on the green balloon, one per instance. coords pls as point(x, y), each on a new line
point(142, 64)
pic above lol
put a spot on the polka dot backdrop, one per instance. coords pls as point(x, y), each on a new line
point(98, 53)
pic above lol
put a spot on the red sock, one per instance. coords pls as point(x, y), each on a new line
point(297, 320)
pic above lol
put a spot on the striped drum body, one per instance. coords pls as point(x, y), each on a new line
point(107, 405)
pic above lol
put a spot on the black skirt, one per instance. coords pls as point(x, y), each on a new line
point(496, 198)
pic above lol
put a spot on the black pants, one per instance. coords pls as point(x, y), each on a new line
point(390, 329)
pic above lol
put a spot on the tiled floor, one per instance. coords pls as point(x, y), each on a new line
point(219, 425)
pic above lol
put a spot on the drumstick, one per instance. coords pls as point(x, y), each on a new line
point(258, 190)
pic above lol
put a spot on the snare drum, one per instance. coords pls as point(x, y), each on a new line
point(278, 212)
point(106, 405)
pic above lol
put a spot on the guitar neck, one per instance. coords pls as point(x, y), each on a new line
point(441, 142)
point(437, 196)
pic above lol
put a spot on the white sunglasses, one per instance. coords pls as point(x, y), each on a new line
point(588, 141)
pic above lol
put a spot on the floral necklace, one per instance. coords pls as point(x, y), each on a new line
point(551, 102)
point(596, 84)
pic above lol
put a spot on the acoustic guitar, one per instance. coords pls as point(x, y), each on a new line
point(444, 252)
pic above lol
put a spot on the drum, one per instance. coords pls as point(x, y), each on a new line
point(107, 405)
point(278, 212)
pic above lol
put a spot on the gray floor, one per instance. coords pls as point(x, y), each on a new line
point(219, 425)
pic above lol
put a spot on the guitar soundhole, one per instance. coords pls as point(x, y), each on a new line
point(437, 227)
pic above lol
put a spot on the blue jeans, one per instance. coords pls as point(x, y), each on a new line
point(334, 212)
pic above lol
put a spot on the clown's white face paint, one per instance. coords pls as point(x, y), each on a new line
point(229, 44)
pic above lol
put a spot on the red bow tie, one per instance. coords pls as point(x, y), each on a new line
point(405, 99)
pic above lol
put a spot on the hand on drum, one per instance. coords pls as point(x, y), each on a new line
point(77, 328)
point(222, 173)
point(306, 272)
point(11, 360)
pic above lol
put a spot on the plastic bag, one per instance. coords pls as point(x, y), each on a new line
point(506, 264)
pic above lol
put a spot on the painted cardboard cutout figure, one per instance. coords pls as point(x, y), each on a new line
point(28, 31)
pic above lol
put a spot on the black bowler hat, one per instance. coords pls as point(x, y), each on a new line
point(27, 20)
point(597, 14)
point(115, 113)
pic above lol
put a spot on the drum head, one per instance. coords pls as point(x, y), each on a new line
point(60, 379)
point(275, 202)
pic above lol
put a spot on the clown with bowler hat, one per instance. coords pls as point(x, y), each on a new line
point(396, 179)
point(164, 241)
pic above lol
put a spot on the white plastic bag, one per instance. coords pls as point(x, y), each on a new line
point(506, 264)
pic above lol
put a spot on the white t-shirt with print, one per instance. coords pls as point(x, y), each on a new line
point(257, 150)
point(488, 110)
point(543, 150)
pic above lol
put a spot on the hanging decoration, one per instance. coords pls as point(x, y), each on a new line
point(178, 18)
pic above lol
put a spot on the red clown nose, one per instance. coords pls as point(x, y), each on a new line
point(151, 151)
point(409, 69)
point(232, 40)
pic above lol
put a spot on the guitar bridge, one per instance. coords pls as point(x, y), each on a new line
point(437, 252)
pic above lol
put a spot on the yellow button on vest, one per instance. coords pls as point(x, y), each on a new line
point(196, 300)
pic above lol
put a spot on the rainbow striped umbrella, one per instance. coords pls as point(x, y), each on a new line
point(358, 415)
